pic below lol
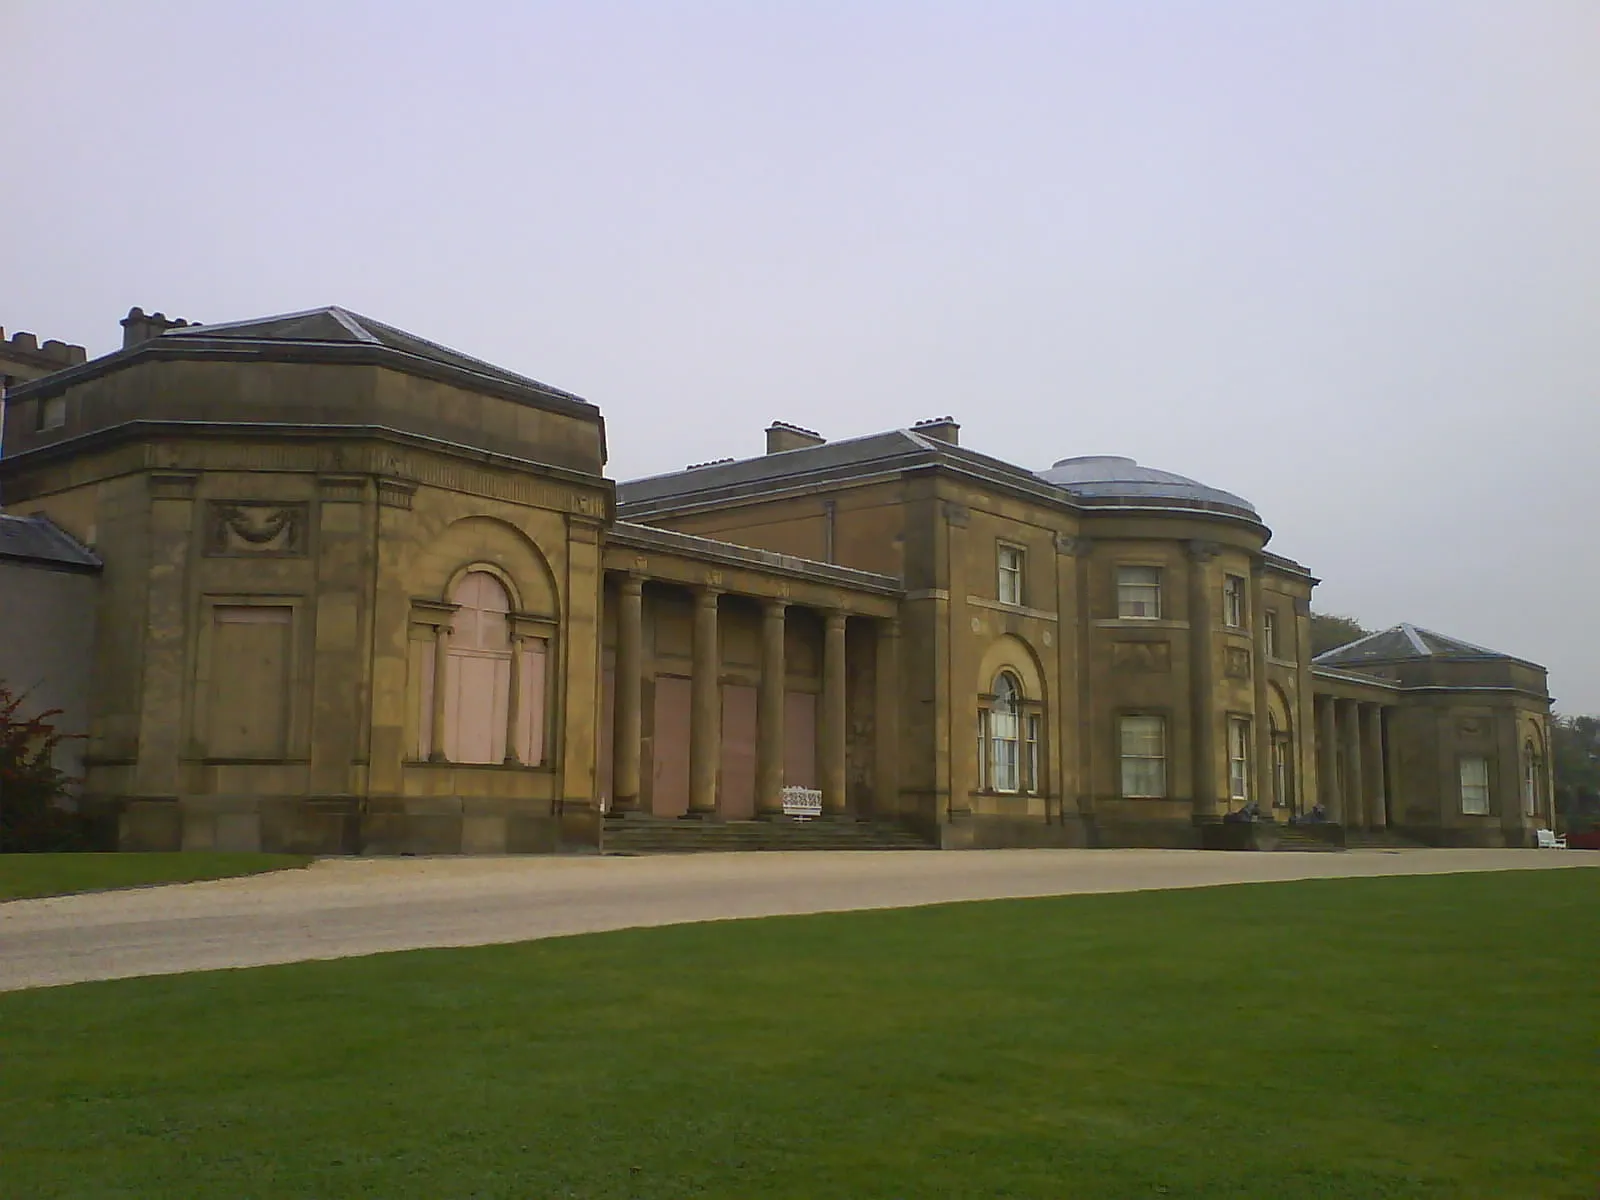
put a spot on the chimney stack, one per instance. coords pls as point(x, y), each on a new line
point(941, 429)
point(782, 436)
point(137, 327)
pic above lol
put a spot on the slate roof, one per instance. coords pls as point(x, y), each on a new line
point(332, 325)
point(328, 334)
point(899, 450)
point(1112, 477)
point(40, 540)
point(1405, 643)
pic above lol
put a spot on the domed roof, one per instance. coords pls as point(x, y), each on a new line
point(1111, 478)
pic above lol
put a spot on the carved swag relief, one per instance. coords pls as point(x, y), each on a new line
point(244, 527)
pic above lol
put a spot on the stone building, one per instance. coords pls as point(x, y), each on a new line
point(362, 593)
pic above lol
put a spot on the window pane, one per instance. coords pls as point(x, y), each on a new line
point(1142, 736)
point(1475, 785)
point(1144, 777)
point(1139, 592)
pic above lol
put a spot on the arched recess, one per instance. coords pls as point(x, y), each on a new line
point(490, 608)
point(1280, 725)
point(487, 543)
point(1534, 773)
point(1011, 719)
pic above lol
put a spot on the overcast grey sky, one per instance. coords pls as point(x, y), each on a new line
point(1340, 258)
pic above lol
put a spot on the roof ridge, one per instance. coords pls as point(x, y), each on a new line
point(353, 322)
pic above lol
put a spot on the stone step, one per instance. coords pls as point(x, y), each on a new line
point(658, 835)
point(1378, 839)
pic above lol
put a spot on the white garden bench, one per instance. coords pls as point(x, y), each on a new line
point(1547, 840)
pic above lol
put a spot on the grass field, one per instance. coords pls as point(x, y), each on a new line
point(23, 875)
point(1430, 1036)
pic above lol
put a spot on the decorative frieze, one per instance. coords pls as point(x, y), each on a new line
point(1202, 551)
point(341, 489)
point(237, 528)
point(1236, 662)
point(396, 493)
point(1141, 657)
point(1071, 546)
point(172, 485)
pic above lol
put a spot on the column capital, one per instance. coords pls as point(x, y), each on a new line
point(773, 606)
point(834, 618)
point(632, 584)
point(706, 594)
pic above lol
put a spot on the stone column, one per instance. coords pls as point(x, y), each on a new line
point(769, 712)
point(514, 702)
point(705, 727)
point(1262, 753)
point(1355, 803)
point(441, 671)
point(628, 690)
point(1328, 759)
point(833, 738)
point(1372, 757)
point(886, 746)
point(1202, 674)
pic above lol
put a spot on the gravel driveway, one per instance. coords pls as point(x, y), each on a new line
point(346, 906)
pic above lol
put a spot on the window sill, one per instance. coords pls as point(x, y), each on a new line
point(445, 765)
point(1138, 623)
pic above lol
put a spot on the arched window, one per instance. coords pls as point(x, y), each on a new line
point(485, 708)
point(1282, 764)
point(1008, 739)
point(1530, 779)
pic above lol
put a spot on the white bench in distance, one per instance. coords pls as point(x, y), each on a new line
point(1547, 840)
point(801, 803)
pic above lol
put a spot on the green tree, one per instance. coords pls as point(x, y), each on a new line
point(1575, 757)
point(31, 819)
point(1329, 631)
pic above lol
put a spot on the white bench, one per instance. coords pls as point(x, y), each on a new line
point(1547, 840)
point(801, 803)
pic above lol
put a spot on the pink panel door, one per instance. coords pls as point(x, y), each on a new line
point(800, 739)
point(669, 776)
point(531, 697)
point(737, 799)
point(475, 711)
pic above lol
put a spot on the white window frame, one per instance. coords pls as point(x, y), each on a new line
point(1269, 627)
point(1476, 798)
point(1010, 562)
point(1239, 759)
point(1141, 761)
point(1139, 588)
point(1234, 607)
point(1530, 780)
point(1009, 740)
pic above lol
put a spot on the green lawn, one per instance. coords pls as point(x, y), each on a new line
point(1431, 1036)
point(24, 875)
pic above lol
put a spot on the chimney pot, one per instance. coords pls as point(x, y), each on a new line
point(782, 436)
point(137, 327)
point(943, 429)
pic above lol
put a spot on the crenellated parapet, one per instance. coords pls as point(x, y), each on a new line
point(24, 350)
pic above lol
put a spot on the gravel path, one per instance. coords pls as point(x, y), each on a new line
point(347, 906)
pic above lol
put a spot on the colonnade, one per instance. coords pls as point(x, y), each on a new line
point(1352, 780)
point(705, 724)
